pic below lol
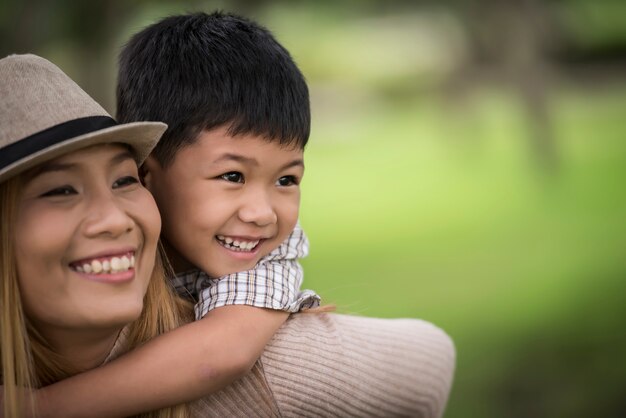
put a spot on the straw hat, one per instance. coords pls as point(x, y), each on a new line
point(44, 114)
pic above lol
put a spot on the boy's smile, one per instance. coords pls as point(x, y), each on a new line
point(226, 201)
point(239, 243)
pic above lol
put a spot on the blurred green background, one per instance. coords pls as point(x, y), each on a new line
point(466, 166)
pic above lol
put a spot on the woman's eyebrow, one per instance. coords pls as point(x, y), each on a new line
point(122, 157)
point(50, 167)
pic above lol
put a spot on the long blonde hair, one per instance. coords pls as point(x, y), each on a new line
point(28, 362)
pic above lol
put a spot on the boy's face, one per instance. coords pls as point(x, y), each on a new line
point(226, 201)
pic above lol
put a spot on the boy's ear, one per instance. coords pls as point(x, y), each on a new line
point(145, 171)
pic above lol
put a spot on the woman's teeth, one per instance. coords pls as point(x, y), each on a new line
point(237, 245)
point(107, 266)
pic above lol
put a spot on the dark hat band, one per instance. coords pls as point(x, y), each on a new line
point(52, 136)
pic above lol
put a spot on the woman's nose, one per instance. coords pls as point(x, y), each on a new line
point(107, 216)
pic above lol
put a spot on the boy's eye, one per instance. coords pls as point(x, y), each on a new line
point(233, 177)
point(60, 191)
point(287, 181)
point(125, 181)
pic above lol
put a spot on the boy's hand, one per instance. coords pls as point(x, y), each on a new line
point(249, 330)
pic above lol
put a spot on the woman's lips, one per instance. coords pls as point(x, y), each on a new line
point(111, 264)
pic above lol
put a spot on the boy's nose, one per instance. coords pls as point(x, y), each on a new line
point(107, 217)
point(258, 209)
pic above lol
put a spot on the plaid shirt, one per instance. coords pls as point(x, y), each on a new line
point(274, 282)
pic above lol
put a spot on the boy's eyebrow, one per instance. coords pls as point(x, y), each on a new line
point(295, 163)
point(254, 162)
point(236, 157)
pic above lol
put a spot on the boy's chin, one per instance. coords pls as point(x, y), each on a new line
point(231, 263)
point(225, 270)
point(234, 266)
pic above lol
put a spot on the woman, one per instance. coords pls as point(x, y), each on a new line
point(69, 191)
point(70, 197)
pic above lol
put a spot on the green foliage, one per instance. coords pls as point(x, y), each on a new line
point(431, 211)
point(594, 24)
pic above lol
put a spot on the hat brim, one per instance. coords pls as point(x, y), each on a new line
point(142, 137)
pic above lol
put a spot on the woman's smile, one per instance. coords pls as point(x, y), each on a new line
point(116, 266)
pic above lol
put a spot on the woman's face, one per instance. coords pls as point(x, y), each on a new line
point(85, 240)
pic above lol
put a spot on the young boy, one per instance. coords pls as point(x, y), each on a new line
point(226, 178)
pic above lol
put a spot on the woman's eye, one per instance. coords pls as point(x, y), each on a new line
point(233, 177)
point(60, 191)
point(287, 181)
point(125, 181)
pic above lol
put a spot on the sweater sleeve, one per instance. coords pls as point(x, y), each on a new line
point(331, 365)
point(341, 365)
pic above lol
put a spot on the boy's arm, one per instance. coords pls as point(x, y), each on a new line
point(182, 365)
point(198, 358)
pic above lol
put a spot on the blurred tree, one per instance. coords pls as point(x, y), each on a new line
point(528, 44)
point(81, 32)
point(508, 42)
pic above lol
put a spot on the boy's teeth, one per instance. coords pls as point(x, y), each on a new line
point(114, 265)
point(236, 244)
point(96, 266)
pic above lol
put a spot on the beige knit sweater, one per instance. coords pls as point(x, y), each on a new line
point(331, 365)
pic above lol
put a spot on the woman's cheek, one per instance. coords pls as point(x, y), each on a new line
point(149, 217)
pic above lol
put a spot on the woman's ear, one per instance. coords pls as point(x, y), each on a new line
point(146, 170)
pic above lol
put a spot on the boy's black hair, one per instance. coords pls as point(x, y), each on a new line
point(199, 71)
